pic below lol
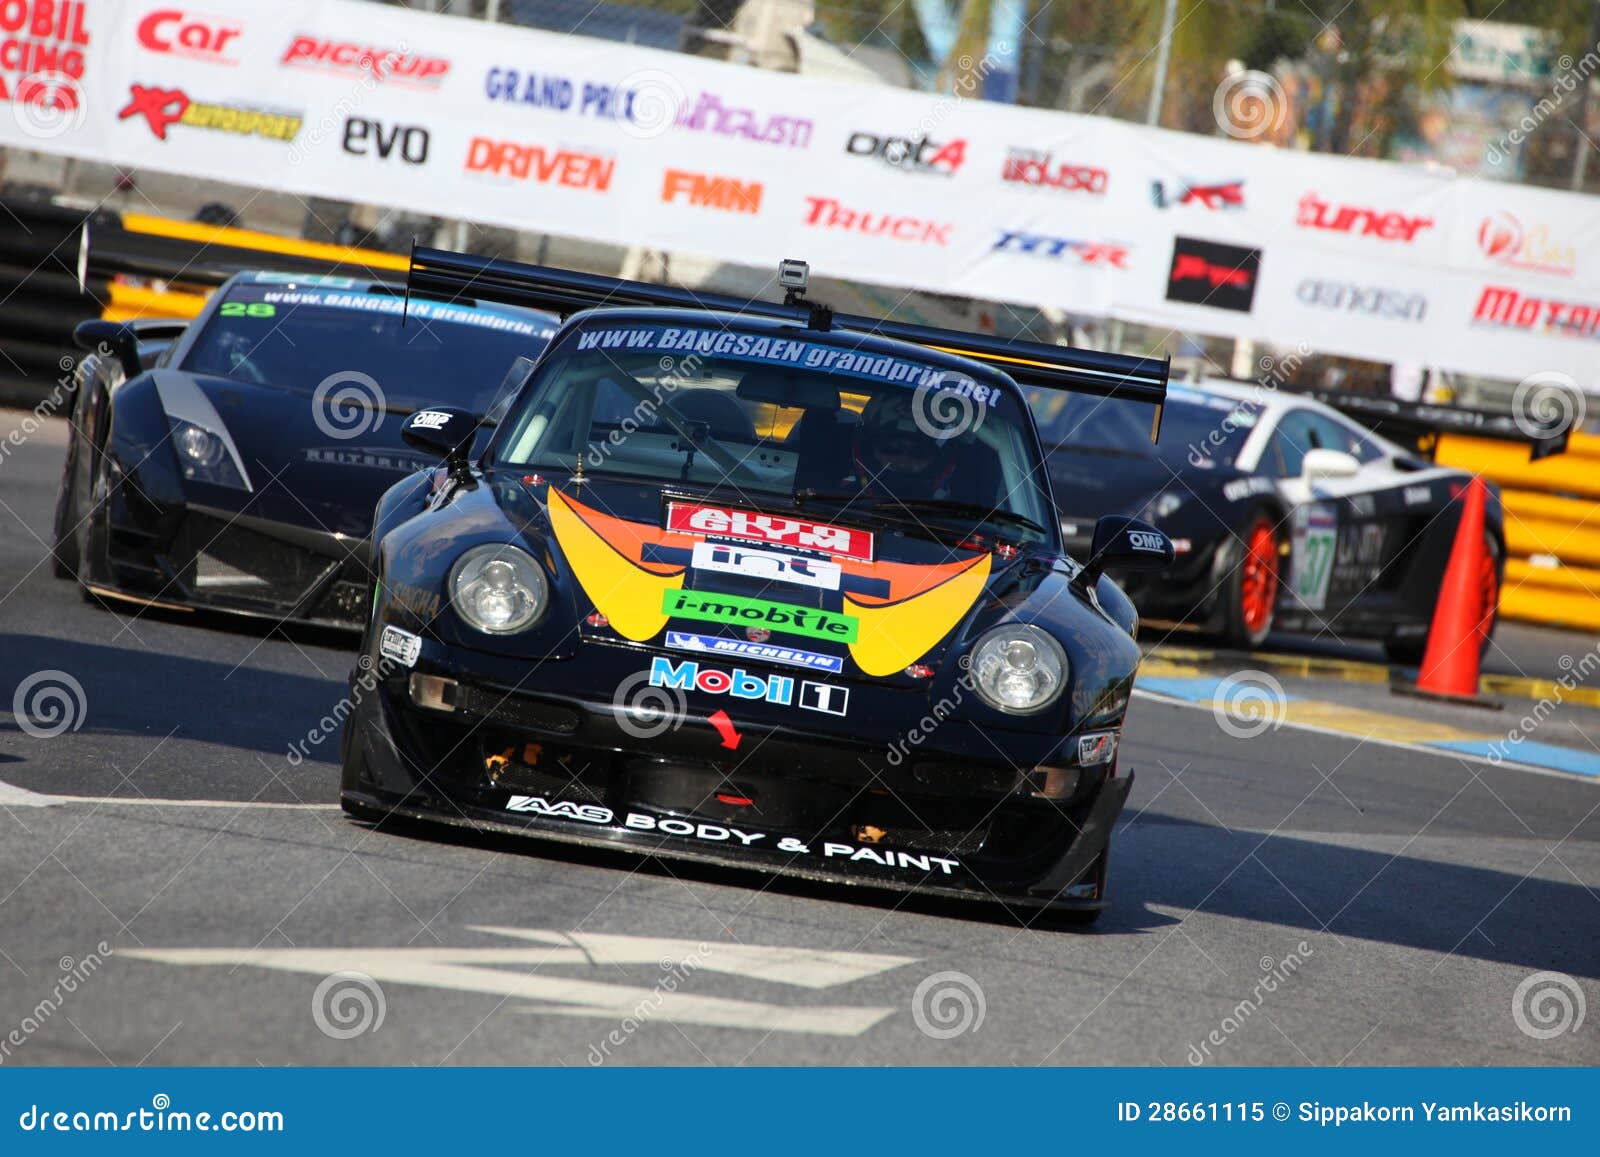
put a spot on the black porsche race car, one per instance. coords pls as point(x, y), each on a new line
point(1286, 513)
point(234, 462)
point(754, 584)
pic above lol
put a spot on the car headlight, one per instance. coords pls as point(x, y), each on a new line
point(1165, 505)
point(204, 457)
point(1019, 669)
point(498, 589)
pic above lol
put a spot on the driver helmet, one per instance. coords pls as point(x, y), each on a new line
point(894, 455)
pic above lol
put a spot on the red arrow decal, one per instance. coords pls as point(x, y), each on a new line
point(726, 729)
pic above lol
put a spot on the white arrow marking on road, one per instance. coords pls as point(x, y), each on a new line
point(483, 970)
point(13, 796)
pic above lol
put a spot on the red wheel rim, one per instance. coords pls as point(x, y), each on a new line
point(1489, 586)
point(1259, 586)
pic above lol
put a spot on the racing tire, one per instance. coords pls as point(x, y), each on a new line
point(352, 770)
point(88, 536)
point(1409, 651)
point(1250, 589)
point(64, 553)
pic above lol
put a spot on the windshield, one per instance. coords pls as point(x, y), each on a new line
point(765, 412)
point(298, 338)
point(1204, 428)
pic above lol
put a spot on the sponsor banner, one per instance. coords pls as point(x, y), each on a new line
point(633, 146)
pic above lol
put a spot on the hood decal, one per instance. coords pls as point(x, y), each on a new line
point(624, 590)
point(894, 635)
point(627, 569)
point(184, 400)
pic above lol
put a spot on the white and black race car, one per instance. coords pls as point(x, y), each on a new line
point(1287, 513)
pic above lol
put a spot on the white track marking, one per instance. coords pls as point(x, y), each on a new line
point(13, 796)
point(518, 973)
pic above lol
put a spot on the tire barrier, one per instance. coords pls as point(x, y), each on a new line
point(44, 298)
point(1552, 527)
point(62, 265)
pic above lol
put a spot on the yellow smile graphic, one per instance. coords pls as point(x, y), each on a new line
point(606, 554)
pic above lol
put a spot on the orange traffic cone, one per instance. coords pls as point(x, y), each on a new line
point(1450, 663)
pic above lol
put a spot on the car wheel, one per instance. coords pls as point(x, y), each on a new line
point(1409, 651)
point(88, 537)
point(1250, 590)
point(64, 551)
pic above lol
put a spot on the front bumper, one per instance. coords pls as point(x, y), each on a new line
point(949, 815)
point(195, 557)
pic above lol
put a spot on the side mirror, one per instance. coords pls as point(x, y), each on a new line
point(121, 340)
point(1323, 463)
point(1123, 543)
point(442, 431)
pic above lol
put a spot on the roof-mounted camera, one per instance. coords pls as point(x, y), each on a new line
point(795, 277)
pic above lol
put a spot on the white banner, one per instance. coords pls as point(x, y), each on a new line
point(633, 146)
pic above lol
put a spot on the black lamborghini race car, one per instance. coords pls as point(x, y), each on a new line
point(1285, 513)
point(753, 584)
point(233, 463)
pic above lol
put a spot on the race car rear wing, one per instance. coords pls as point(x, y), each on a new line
point(444, 273)
point(1417, 425)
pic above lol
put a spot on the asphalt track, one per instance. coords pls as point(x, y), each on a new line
point(1298, 895)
